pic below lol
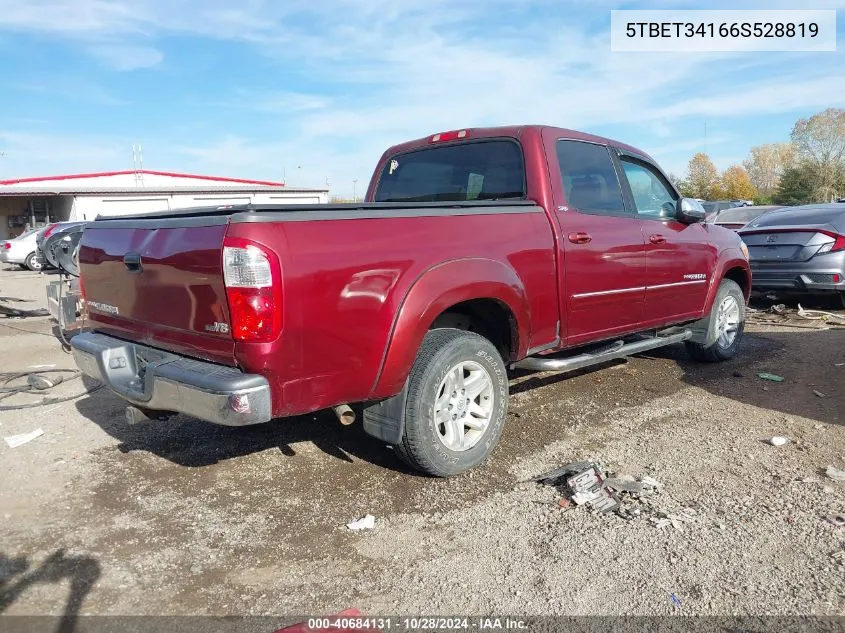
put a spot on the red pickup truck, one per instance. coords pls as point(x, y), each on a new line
point(477, 251)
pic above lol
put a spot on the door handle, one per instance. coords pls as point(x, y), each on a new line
point(656, 239)
point(132, 261)
point(580, 238)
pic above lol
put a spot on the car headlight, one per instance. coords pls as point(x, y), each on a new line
point(744, 249)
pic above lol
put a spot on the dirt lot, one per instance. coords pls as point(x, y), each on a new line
point(184, 517)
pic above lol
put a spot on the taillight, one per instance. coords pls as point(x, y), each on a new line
point(6, 245)
point(254, 289)
point(449, 136)
point(49, 230)
point(838, 243)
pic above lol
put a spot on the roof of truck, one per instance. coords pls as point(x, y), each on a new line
point(517, 131)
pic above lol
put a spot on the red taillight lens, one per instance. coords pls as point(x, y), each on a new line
point(6, 245)
point(254, 289)
point(49, 230)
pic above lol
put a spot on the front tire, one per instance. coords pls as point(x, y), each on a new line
point(725, 326)
point(31, 262)
point(457, 403)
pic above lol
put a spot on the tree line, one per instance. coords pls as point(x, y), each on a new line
point(809, 168)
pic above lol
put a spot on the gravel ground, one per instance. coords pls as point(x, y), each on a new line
point(183, 517)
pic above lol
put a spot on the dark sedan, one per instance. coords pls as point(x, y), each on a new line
point(737, 217)
point(798, 249)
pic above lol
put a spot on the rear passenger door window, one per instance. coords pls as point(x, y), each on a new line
point(653, 197)
point(590, 183)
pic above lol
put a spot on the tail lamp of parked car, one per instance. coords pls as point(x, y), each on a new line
point(253, 281)
point(6, 246)
point(838, 243)
point(49, 230)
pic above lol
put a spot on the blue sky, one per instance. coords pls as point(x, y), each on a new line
point(318, 89)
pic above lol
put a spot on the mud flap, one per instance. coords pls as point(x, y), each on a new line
point(385, 420)
point(702, 333)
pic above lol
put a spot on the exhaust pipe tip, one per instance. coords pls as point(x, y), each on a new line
point(344, 414)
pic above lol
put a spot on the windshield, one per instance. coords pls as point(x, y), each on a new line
point(480, 170)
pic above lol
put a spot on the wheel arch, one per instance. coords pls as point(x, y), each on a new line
point(487, 290)
point(734, 267)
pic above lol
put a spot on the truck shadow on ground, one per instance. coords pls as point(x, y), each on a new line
point(17, 576)
point(811, 363)
point(194, 443)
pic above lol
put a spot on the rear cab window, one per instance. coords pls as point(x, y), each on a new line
point(590, 181)
point(458, 172)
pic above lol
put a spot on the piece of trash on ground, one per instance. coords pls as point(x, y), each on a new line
point(778, 440)
point(835, 473)
point(779, 308)
point(364, 523)
point(771, 377)
point(675, 600)
point(823, 316)
point(589, 483)
point(19, 440)
point(41, 382)
point(818, 393)
point(836, 519)
point(675, 520)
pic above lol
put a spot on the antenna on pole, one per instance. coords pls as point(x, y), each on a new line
point(138, 165)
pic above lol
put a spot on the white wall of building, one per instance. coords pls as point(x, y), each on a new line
point(88, 207)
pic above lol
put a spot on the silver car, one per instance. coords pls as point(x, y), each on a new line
point(798, 249)
point(21, 250)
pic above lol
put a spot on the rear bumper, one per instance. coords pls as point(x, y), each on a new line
point(162, 381)
point(797, 278)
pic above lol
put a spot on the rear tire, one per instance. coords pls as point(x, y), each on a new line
point(725, 326)
point(32, 263)
point(457, 403)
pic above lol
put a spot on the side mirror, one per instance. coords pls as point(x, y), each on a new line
point(691, 211)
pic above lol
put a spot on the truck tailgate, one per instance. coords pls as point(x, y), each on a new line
point(159, 283)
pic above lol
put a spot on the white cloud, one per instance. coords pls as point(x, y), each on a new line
point(389, 71)
point(127, 57)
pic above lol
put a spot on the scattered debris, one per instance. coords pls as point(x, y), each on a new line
point(365, 523)
point(675, 600)
point(589, 483)
point(779, 308)
point(823, 316)
point(778, 440)
point(835, 473)
point(41, 382)
point(839, 364)
point(836, 519)
point(19, 440)
point(771, 377)
point(663, 520)
point(818, 393)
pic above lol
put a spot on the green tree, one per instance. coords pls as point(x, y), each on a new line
point(796, 186)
